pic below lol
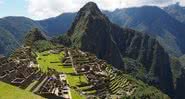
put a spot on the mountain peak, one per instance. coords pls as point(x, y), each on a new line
point(37, 32)
point(34, 35)
point(175, 5)
point(88, 13)
point(90, 9)
point(90, 5)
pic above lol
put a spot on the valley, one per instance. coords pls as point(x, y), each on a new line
point(94, 54)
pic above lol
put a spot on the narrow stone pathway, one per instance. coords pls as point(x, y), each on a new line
point(40, 85)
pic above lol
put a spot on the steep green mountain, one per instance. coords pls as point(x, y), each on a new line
point(7, 42)
point(177, 11)
point(150, 19)
point(89, 32)
point(53, 25)
point(93, 32)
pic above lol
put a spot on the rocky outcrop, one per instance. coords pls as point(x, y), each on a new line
point(32, 36)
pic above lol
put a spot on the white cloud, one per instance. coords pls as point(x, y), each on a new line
point(39, 9)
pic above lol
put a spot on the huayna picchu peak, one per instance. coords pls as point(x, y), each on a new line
point(90, 6)
point(89, 55)
point(92, 31)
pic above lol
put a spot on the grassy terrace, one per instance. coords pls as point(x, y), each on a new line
point(11, 92)
point(47, 60)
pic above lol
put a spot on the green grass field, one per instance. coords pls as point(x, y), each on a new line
point(11, 92)
point(76, 95)
point(45, 61)
point(74, 81)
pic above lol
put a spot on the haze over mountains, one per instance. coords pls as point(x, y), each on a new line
point(155, 21)
point(16, 28)
point(176, 11)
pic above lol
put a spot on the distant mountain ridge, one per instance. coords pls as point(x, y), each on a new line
point(177, 11)
point(53, 25)
point(15, 29)
point(153, 20)
point(18, 26)
point(149, 19)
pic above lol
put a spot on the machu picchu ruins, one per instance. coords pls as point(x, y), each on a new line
point(92, 53)
point(81, 75)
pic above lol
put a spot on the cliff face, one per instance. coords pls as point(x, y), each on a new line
point(180, 86)
point(93, 32)
point(146, 50)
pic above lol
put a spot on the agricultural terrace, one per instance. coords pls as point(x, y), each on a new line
point(53, 60)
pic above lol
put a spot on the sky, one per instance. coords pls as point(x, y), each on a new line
point(42, 9)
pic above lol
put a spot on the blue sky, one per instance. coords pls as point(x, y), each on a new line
point(13, 8)
point(41, 9)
